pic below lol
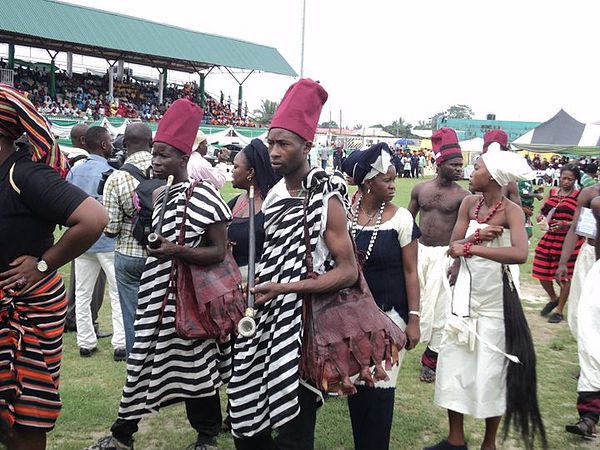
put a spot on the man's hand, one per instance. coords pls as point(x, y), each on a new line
point(413, 332)
point(165, 249)
point(453, 272)
point(264, 292)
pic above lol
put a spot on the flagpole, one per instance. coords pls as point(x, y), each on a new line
point(303, 27)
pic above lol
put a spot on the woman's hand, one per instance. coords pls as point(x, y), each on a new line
point(166, 249)
point(22, 275)
point(413, 332)
point(264, 292)
point(490, 233)
point(456, 250)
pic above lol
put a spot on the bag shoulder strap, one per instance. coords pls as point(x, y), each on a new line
point(135, 172)
point(308, 252)
point(188, 196)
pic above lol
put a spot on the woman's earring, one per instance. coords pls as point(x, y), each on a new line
point(368, 190)
point(249, 178)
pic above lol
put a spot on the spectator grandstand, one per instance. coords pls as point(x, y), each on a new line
point(86, 95)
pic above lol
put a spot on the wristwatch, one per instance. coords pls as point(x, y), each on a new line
point(42, 266)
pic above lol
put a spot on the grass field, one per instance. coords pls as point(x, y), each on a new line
point(91, 389)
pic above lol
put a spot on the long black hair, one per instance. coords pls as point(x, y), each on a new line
point(522, 409)
point(257, 155)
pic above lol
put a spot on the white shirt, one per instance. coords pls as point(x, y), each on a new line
point(201, 170)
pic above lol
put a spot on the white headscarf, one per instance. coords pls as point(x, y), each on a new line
point(506, 166)
point(381, 165)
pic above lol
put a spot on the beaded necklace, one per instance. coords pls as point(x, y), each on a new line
point(491, 213)
point(355, 232)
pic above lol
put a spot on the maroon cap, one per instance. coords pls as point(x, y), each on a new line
point(444, 143)
point(497, 136)
point(300, 108)
point(179, 126)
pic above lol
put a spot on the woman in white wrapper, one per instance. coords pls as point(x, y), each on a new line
point(486, 365)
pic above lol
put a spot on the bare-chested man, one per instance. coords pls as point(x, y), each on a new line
point(585, 259)
point(437, 201)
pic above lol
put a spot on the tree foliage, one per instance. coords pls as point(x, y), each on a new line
point(264, 114)
point(453, 112)
point(329, 124)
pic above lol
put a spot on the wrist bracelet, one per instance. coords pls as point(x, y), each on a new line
point(467, 250)
point(477, 236)
point(414, 313)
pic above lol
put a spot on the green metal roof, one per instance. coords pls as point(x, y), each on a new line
point(92, 32)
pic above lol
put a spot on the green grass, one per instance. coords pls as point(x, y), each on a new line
point(91, 389)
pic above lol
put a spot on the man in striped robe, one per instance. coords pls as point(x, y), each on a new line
point(164, 368)
point(265, 391)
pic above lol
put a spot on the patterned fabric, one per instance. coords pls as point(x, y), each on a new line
point(263, 391)
point(31, 331)
point(163, 368)
point(547, 252)
point(18, 116)
point(587, 181)
point(118, 201)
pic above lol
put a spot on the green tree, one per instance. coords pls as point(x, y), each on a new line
point(399, 128)
point(265, 113)
point(454, 112)
point(329, 124)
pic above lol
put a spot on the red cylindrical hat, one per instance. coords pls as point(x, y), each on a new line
point(300, 108)
point(444, 143)
point(497, 136)
point(179, 126)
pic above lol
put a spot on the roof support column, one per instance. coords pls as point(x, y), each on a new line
point(239, 108)
point(52, 87)
point(164, 81)
point(162, 84)
point(111, 79)
point(202, 92)
point(120, 70)
point(69, 64)
point(111, 82)
point(11, 56)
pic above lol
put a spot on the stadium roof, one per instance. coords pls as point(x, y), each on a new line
point(64, 27)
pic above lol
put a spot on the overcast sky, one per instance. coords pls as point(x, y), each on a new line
point(384, 59)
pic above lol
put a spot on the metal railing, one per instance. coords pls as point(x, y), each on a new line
point(7, 76)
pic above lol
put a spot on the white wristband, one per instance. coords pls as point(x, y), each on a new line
point(414, 313)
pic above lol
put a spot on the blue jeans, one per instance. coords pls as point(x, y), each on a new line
point(128, 272)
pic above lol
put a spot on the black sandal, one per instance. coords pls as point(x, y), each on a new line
point(445, 445)
point(556, 318)
point(548, 308)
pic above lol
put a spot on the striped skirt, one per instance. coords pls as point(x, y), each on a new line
point(547, 255)
point(31, 328)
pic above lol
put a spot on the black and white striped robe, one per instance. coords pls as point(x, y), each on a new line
point(162, 368)
point(263, 390)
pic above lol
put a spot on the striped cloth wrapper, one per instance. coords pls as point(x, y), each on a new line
point(18, 116)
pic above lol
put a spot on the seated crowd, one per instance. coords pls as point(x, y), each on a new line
point(86, 96)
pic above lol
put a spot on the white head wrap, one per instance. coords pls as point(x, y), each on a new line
point(381, 165)
point(200, 137)
point(506, 166)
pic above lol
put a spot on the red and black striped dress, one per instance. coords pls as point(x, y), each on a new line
point(547, 252)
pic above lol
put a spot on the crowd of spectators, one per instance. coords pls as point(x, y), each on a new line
point(86, 96)
point(548, 169)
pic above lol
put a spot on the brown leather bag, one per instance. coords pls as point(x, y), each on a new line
point(209, 299)
point(345, 334)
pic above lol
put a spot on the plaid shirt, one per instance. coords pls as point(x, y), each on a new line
point(118, 200)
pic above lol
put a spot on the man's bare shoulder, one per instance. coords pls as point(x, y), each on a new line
point(588, 194)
